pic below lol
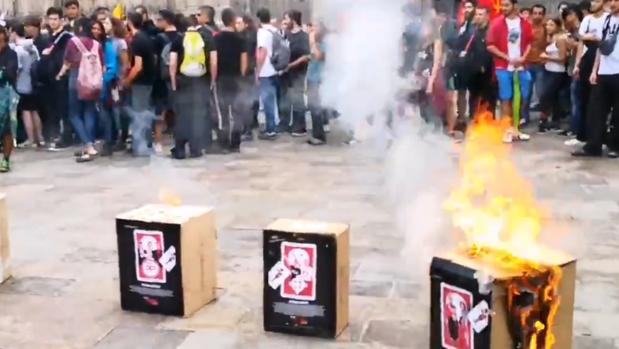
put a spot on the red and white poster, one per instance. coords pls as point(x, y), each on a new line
point(148, 252)
point(456, 330)
point(300, 260)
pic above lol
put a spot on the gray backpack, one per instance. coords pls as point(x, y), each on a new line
point(281, 52)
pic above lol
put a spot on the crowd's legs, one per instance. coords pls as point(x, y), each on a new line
point(56, 97)
point(604, 97)
point(292, 117)
point(141, 116)
point(82, 114)
point(318, 113)
point(268, 95)
point(191, 106)
point(232, 122)
point(550, 99)
point(586, 67)
point(537, 83)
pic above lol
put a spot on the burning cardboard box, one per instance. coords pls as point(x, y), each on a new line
point(306, 278)
point(5, 250)
point(167, 259)
point(502, 288)
point(479, 302)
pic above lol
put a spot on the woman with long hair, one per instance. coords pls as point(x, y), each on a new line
point(82, 110)
point(555, 75)
point(116, 65)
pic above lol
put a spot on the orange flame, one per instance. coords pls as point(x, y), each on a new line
point(494, 206)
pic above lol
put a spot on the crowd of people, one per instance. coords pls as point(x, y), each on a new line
point(110, 82)
point(566, 67)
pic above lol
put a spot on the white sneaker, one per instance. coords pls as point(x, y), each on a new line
point(523, 137)
point(327, 128)
point(574, 143)
point(158, 148)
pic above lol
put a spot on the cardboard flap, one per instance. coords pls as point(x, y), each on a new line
point(165, 213)
point(303, 226)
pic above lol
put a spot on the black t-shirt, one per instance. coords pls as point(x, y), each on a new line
point(230, 47)
point(299, 47)
point(177, 47)
point(142, 46)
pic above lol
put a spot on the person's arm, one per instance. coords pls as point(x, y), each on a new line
point(134, 72)
point(580, 51)
point(436, 65)
point(244, 63)
point(214, 66)
point(173, 69)
point(593, 79)
point(491, 44)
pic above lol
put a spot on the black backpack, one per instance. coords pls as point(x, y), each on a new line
point(609, 38)
point(164, 56)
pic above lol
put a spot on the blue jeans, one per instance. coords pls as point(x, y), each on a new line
point(83, 114)
point(537, 82)
point(268, 95)
point(576, 119)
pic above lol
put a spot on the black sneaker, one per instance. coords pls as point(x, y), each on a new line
point(585, 153)
point(178, 154)
point(268, 136)
point(613, 154)
point(544, 126)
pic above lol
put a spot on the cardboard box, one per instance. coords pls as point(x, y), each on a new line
point(454, 278)
point(5, 246)
point(167, 259)
point(306, 278)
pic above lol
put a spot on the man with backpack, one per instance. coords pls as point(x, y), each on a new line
point(266, 74)
point(605, 95)
point(192, 58)
point(293, 78)
point(140, 80)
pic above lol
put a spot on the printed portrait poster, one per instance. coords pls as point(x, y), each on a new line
point(149, 247)
point(456, 330)
point(300, 260)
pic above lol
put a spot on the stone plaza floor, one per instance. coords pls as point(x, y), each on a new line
point(65, 294)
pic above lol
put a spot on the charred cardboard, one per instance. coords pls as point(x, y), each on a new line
point(319, 306)
point(167, 259)
point(5, 247)
point(462, 273)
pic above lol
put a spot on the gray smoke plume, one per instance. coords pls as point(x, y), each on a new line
point(363, 82)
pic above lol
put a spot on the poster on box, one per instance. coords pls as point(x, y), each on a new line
point(456, 329)
point(300, 260)
point(149, 247)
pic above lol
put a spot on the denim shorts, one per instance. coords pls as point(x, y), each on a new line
point(505, 79)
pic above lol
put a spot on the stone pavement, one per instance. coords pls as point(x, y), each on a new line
point(65, 290)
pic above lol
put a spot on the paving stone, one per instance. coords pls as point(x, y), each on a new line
point(371, 288)
point(36, 286)
point(396, 334)
point(585, 342)
point(141, 338)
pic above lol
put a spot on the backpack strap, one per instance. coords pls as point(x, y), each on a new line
point(606, 27)
point(80, 45)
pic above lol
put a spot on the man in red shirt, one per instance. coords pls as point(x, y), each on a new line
point(509, 41)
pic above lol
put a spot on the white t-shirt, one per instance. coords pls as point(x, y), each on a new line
point(514, 48)
point(265, 40)
point(609, 65)
point(592, 25)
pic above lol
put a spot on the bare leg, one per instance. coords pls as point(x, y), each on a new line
point(37, 127)
point(7, 146)
point(506, 109)
point(451, 112)
point(27, 118)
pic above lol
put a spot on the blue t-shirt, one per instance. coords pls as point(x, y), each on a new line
point(315, 68)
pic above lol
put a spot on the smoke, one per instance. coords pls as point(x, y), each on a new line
point(361, 77)
point(362, 81)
